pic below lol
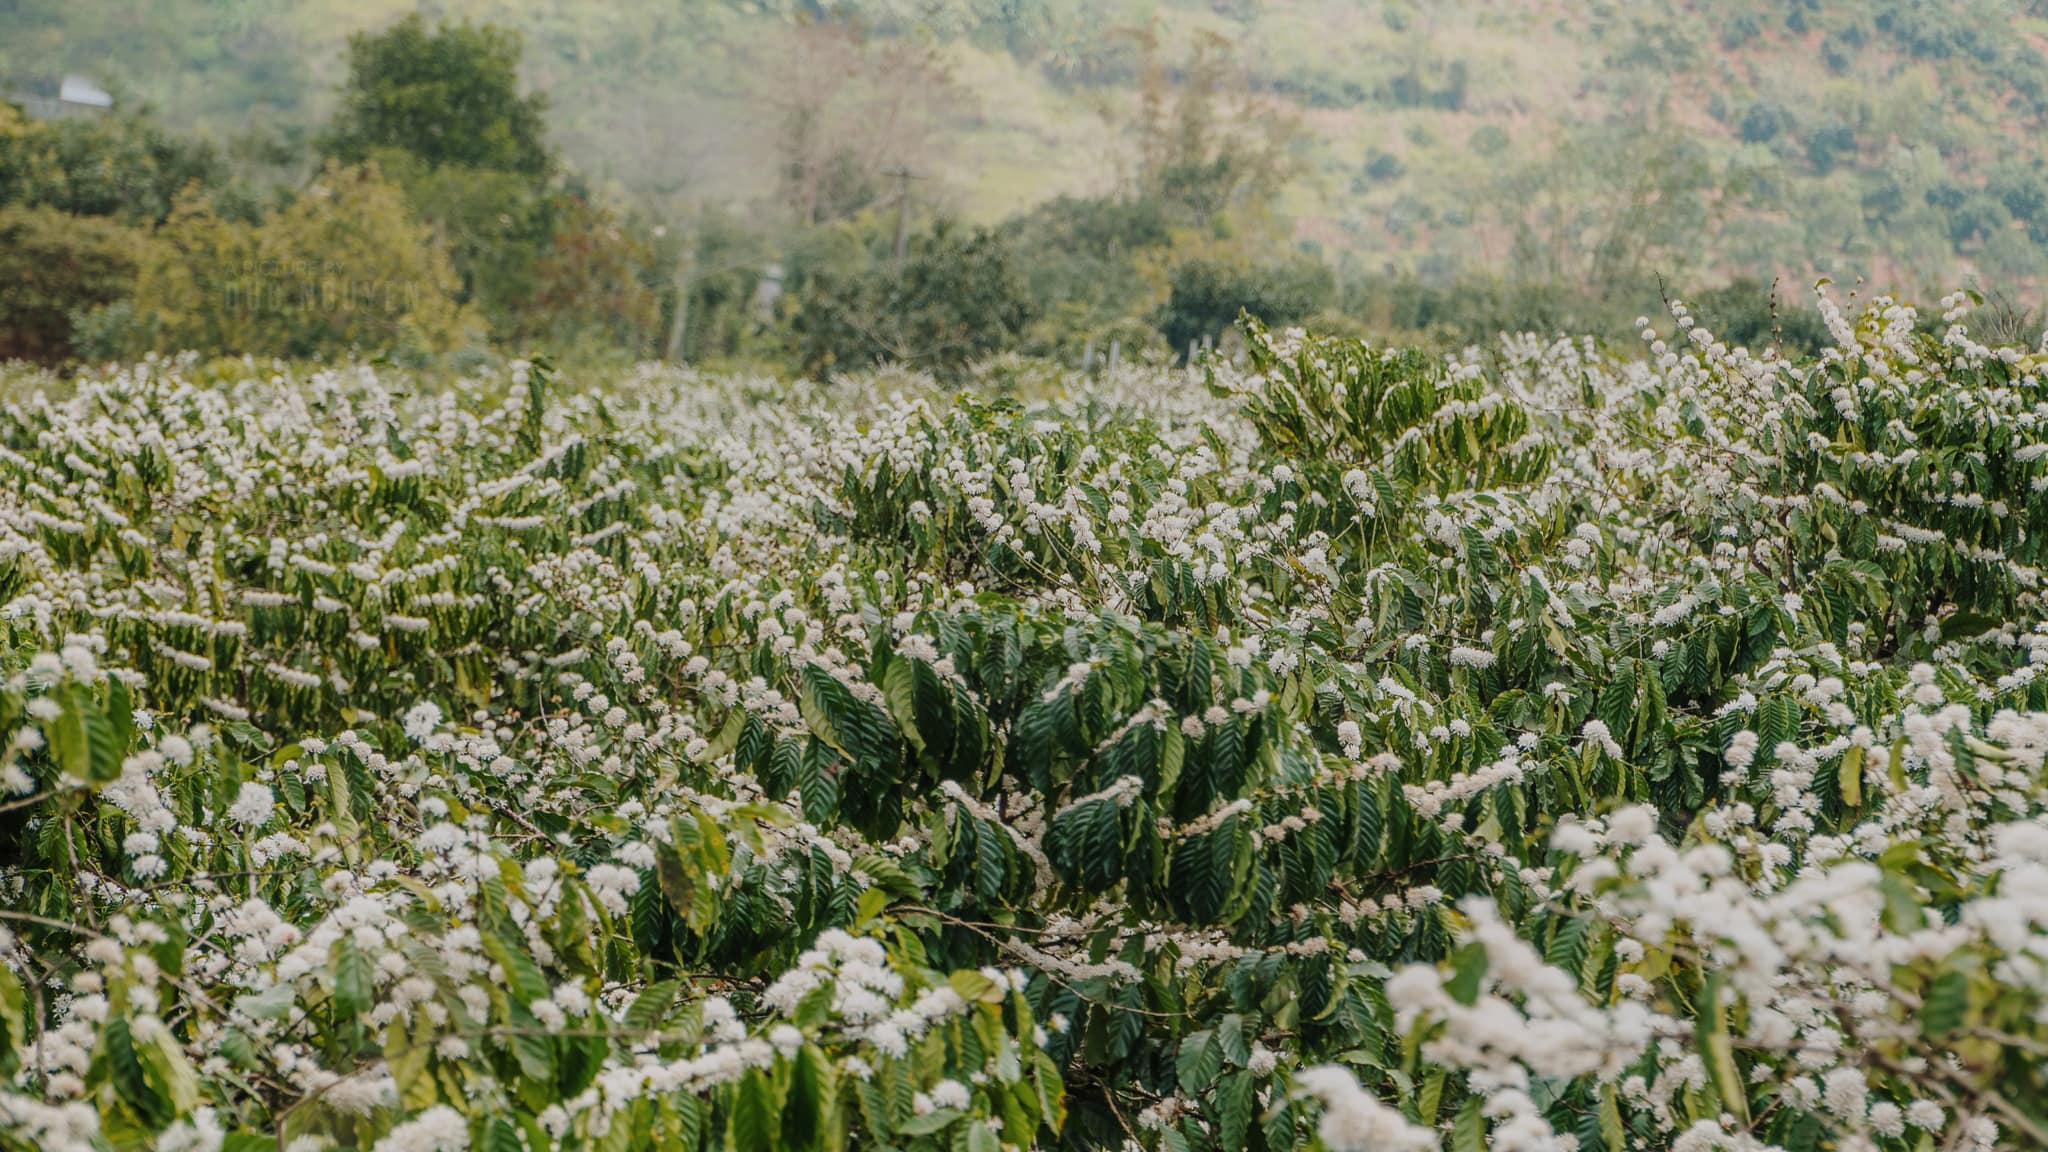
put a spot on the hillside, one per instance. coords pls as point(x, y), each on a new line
point(1897, 139)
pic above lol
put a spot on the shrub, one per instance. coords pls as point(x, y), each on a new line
point(1372, 750)
point(1488, 140)
point(1383, 167)
point(1826, 146)
point(1762, 122)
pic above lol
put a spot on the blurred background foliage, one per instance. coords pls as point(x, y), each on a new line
point(815, 186)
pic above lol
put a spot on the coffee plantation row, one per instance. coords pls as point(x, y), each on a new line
point(1538, 749)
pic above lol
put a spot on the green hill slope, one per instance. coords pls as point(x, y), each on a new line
point(1898, 139)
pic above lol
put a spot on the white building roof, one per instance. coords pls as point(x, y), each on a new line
point(79, 90)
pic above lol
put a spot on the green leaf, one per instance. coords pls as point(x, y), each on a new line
point(1033, 739)
point(1431, 1096)
point(1205, 868)
point(354, 982)
point(1721, 1050)
point(1199, 1060)
point(1468, 1130)
point(1236, 1100)
point(527, 982)
point(728, 736)
point(534, 1051)
point(1851, 776)
point(1617, 705)
point(982, 1138)
point(501, 1135)
point(1777, 722)
point(973, 986)
point(674, 877)
point(120, 711)
point(163, 1060)
point(1946, 1004)
point(900, 689)
point(341, 800)
point(1230, 1038)
point(1963, 625)
point(991, 860)
point(850, 726)
point(273, 1003)
point(1468, 969)
point(131, 1082)
point(754, 1126)
point(1086, 843)
point(818, 786)
point(13, 1019)
point(408, 1062)
point(688, 1124)
point(651, 1005)
point(66, 736)
point(805, 1105)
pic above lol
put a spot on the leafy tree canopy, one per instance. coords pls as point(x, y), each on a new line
point(124, 165)
point(447, 95)
point(956, 298)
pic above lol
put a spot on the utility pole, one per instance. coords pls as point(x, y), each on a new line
point(679, 323)
point(902, 212)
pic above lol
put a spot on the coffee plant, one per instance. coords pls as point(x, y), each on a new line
point(1539, 749)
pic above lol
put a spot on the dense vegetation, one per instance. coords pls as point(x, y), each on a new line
point(645, 183)
point(1526, 749)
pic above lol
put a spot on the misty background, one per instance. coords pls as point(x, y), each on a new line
point(818, 185)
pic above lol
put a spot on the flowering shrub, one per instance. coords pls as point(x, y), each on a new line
point(1534, 750)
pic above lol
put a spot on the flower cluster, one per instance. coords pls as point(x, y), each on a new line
point(1535, 748)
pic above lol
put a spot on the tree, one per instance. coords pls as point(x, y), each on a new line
point(1207, 294)
point(198, 287)
point(852, 109)
point(496, 226)
point(54, 267)
point(1751, 314)
point(124, 165)
point(729, 306)
point(1609, 205)
point(1207, 142)
point(449, 96)
point(958, 298)
point(591, 284)
point(344, 269)
point(440, 111)
point(1086, 262)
